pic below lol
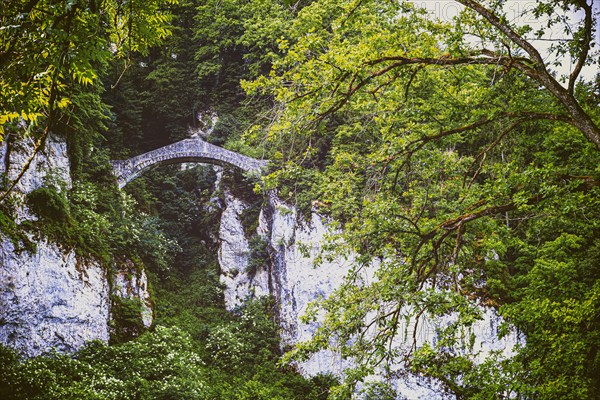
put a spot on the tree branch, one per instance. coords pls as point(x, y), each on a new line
point(581, 120)
point(36, 149)
point(533, 67)
point(585, 45)
point(578, 117)
point(508, 31)
point(523, 117)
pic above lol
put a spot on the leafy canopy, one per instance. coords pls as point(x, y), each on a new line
point(49, 49)
point(453, 159)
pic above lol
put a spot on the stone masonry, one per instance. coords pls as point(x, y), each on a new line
point(187, 150)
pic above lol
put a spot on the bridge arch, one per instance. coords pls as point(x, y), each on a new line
point(187, 150)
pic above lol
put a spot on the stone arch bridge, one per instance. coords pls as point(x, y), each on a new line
point(187, 150)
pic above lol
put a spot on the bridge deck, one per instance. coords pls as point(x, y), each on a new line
point(187, 150)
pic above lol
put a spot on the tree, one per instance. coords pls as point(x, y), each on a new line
point(237, 40)
point(52, 51)
point(452, 155)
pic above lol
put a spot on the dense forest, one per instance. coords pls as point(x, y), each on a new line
point(459, 154)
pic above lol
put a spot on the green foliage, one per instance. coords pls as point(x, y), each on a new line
point(162, 364)
point(236, 35)
point(50, 47)
point(13, 231)
point(61, 61)
point(159, 97)
point(97, 222)
point(378, 391)
point(179, 202)
point(159, 365)
point(189, 294)
point(193, 302)
point(247, 348)
point(466, 183)
point(248, 341)
point(49, 203)
point(126, 320)
point(238, 40)
point(259, 256)
point(558, 313)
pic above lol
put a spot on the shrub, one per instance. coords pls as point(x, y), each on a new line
point(126, 319)
point(49, 204)
point(259, 253)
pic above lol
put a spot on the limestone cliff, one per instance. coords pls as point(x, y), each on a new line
point(49, 297)
point(49, 300)
point(292, 278)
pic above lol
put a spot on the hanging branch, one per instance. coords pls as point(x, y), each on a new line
point(585, 44)
point(51, 103)
point(580, 119)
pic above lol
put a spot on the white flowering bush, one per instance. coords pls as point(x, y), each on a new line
point(159, 365)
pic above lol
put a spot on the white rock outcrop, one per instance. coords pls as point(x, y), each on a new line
point(299, 282)
point(50, 298)
point(294, 280)
point(291, 276)
point(51, 163)
point(129, 282)
point(234, 257)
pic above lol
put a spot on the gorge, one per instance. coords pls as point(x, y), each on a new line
point(51, 299)
point(427, 225)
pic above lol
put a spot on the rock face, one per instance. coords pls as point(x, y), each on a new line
point(51, 163)
point(297, 281)
point(291, 276)
point(294, 281)
point(50, 299)
point(234, 257)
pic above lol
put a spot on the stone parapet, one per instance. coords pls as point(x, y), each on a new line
point(187, 150)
